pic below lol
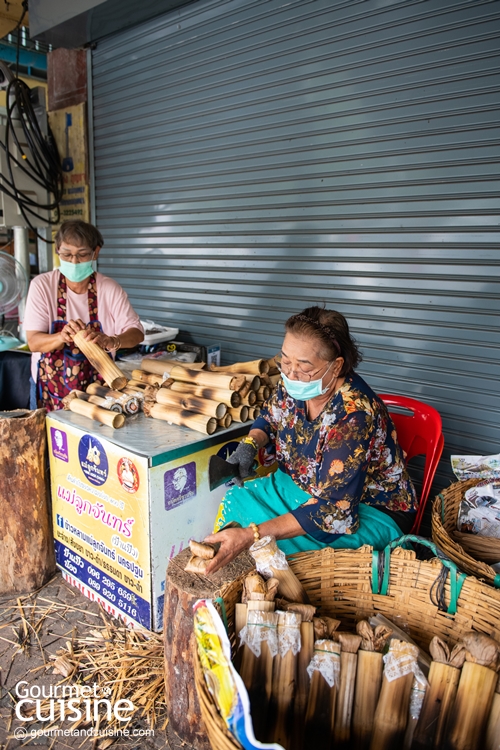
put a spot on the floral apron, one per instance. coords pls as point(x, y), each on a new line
point(66, 369)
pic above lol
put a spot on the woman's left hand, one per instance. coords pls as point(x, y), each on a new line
point(232, 542)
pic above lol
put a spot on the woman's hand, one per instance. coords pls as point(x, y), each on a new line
point(232, 542)
point(108, 343)
point(72, 326)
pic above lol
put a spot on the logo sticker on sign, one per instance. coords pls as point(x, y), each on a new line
point(180, 485)
point(59, 443)
point(93, 459)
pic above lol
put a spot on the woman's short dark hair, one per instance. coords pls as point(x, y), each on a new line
point(77, 232)
point(330, 328)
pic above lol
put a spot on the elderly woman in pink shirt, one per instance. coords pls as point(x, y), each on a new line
point(69, 299)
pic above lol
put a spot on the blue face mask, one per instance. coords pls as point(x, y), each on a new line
point(301, 391)
point(76, 271)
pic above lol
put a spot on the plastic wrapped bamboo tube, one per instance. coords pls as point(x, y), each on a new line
point(225, 422)
point(444, 676)
point(260, 641)
point(349, 643)
point(239, 414)
point(102, 362)
point(199, 377)
point(324, 671)
point(126, 400)
point(368, 681)
point(106, 403)
point(191, 403)
point(255, 367)
point(222, 395)
point(285, 676)
point(391, 714)
point(91, 411)
point(180, 417)
point(478, 680)
point(272, 563)
point(493, 727)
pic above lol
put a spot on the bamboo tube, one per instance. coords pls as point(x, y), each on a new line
point(273, 368)
point(163, 367)
point(240, 620)
point(128, 401)
point(255, 367)
point(253, 605)
point(285, 677)
point(256, 411)
point(267, 556)
point(263, 393)
point(492, 741)
point(251, 413)
point(105, 403)
point(96, 389)
point(368, 682)
point(244, 390)
point(250, 399)
point(225, 422)
point(180, 417)
point(240, 414)
point(257, 670)
point(391, 714)
point(91, 411)
point(191, 403)
point(147, 378)
point(190, 375)
point(471, 708)
point(222, 395)
point(136, 384)
point(255, 383)
point(303, 682)
point(320, 712)
point(274, 379)
point(444, 676)
point(350, 644)
point(102, 362)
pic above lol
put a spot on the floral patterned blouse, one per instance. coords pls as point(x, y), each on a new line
point(348, 455)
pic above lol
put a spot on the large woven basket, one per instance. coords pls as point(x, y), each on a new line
point(470, 552)
point(355, 584)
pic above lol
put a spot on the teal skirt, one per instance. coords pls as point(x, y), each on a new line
point(265, 498)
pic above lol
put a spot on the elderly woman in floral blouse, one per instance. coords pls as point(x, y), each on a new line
point(341, 479)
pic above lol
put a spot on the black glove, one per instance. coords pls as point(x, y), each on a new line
point(243, 457)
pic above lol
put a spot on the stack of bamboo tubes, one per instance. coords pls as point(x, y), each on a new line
point(204, 400)
point(337, 690)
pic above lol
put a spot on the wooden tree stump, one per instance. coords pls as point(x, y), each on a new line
point(26, 541)
point(182, 590)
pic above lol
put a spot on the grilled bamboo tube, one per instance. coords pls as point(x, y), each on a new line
point(191, 403)
point(320, 712)
point(250, 399)
point(180, 417)
point(284, 679)
point(225, 422)
point(240, 414)
point(264, 552)
point(303, 682)
point(136, 384)
point(164, 366)
point(263, 393)
point(104, 403)
point(255, 367)
point(128, 401)
point(190, 375)
point(469, 716)
point(444, 676)
point(493, 726)
point(102, 362)
point(257, 671)
point(147, 378)
point(91, 411)
point(391, 715)
point(222, 395)
point(350, 644)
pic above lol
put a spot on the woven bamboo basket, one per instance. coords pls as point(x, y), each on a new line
point(470, 552)
point(431, 598)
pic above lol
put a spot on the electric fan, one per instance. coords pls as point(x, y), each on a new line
point(13, 288)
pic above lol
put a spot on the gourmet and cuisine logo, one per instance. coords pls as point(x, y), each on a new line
point(90, 703)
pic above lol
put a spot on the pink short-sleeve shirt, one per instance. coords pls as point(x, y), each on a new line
point(115, 312)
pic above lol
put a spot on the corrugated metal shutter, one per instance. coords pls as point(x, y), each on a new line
point(252, 158)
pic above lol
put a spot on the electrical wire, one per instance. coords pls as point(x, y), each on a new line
point(40, 162)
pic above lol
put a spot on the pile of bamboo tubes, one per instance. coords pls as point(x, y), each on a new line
point(338, 690)
point(203, 400)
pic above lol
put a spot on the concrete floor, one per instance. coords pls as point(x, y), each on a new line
point(34, 666)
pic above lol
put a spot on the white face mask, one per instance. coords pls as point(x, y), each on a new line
point(301, 391)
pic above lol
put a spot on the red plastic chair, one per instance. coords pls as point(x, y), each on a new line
point(419, 433)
